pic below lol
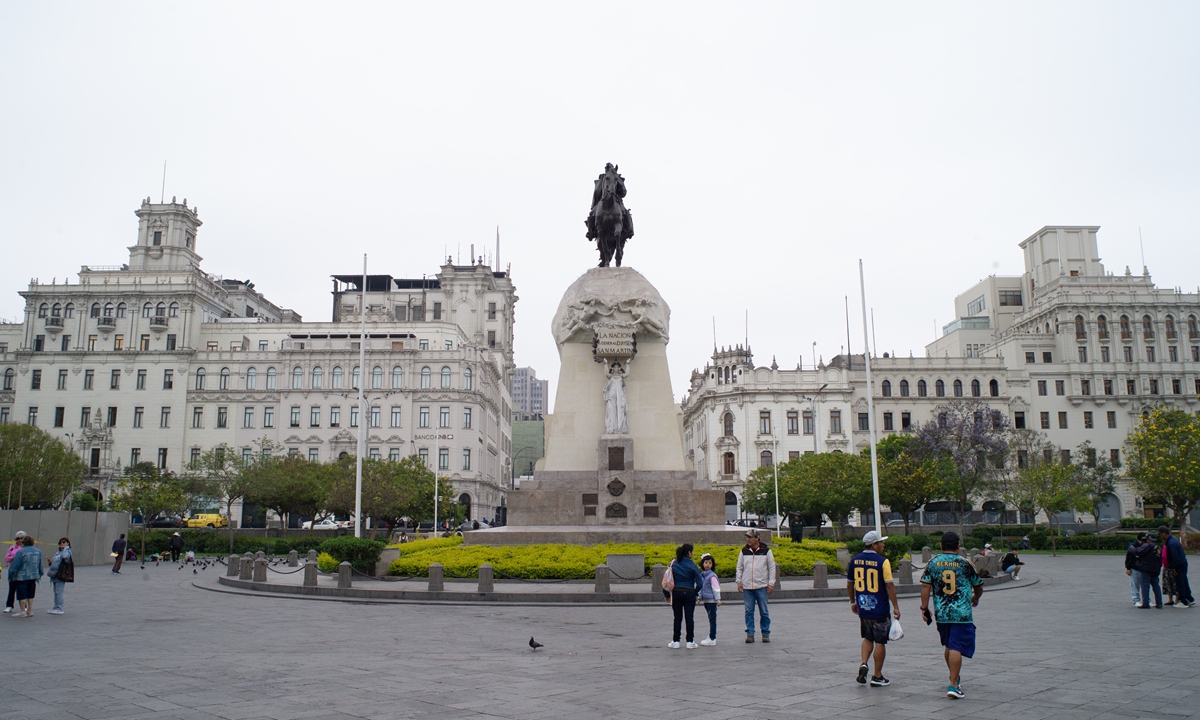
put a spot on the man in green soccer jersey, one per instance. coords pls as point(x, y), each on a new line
point(947, 578)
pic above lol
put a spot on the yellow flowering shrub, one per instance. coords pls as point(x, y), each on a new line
point(326, 563)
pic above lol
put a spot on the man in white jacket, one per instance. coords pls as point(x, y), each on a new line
point(755, 581)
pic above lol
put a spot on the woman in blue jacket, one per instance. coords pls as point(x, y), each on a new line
point(25, 571)
point(61, 572)
point(683, 596)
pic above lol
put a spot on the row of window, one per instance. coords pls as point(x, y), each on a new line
point(108, 310)
point(795, 419)
point(1169, 327)
point(1088, 420)
point(1107, 387)
point(315, 380)
point(939, 388)
point(314, 455)
point(89, 379)
point(118, 343)
point(85, 416)
point(1114, 457)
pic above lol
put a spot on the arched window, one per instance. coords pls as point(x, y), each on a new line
point(109, 308)
point(223, 379)
point(200, 374)
point(958, 388)
point(251, 378)
point(729, 464)
point(69, 311)
point(270, 378)
point(727, 376)
point(9, 376)
point(464, 501)
point(318, 377)
point(728, 424)
point(146, 309)
point(355, 377)
point(336, 379)
point(1147, 327)
point(1102, 327)
point(730, 497)
point(922, 389)
point(56, 311)
point(1170, 327)
point(1193, 332)
point(297, 377)
point(445, 377)
point(993, 388)
point(1126, 331)
point(765, 459)
point(467, 379)
point(376, 377)
point(173, 310)
point(397, 377)
point(121, 310)
point(886, 388)
point(426, 378)
point(160, 309)
point(975, 391)
point(96, 310)
point(939, 389)
point(903, 388)
point(1080, 327)
point(43, 310)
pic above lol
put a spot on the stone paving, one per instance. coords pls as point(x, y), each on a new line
point(148, 644)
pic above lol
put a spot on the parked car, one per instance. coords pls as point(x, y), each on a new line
point(212, 520)
point(326, 524)
point(894, 522)
point(167, 521)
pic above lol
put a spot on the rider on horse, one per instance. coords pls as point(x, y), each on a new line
point(611, 181)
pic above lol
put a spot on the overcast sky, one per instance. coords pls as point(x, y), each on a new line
point(766, 148)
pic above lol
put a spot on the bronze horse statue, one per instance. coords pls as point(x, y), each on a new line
point(609, 223)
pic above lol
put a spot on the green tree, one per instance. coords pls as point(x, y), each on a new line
point(1036, 479)
point(38, 469)
point(221, 473)
point(1097, 480)
point(829, 484)
point(393, 490)
point(907, 482)
point(147, 491)
point(290, 484)
point(1165, 462)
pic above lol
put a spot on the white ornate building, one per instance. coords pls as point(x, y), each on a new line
point(158, 360)
point(1067, 348)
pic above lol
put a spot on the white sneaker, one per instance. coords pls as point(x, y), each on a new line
point(691, 646)
point(7, 609)
point(708, 642)
point(52, 611)
point(673, 645)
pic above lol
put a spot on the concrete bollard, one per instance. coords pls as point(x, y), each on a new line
point(344, 575)
point(656, 577)
point(436, 578)
point(312, 556)
point(310, 573)
point(843, 557)
point(603, 579)
point(926, 554)
point(778, 577)
point(260, 555)
point(820, 576)
point(260, 570)
point(232, 565)
point(906, 572)
point(293, 559)
point(246, 567)
point(486, 578)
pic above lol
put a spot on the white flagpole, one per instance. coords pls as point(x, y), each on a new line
point(362, 403)
point(870, 401)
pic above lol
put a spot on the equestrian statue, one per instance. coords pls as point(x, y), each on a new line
point(609, 223)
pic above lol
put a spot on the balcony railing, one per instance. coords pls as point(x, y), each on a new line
point(106, 323)
point(158, 321)
point(54, 324)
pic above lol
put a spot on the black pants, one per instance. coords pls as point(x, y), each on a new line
point(1183, 588)
point(12, 594)
point(174, 555)
point(683, 604)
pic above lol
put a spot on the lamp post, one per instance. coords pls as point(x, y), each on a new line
point(775, 467)
point(812, 402)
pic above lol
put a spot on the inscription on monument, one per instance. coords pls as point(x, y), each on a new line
point(616, 458)
point(613, 341)
point(616, 510)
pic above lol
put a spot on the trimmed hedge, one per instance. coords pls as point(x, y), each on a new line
point(571, 562)
point(1148, 523)
point(361, 553)
point(209, 542)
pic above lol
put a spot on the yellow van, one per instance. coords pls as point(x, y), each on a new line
point(212, 520)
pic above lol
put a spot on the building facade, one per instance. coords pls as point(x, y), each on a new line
point(529, 393)
point(157, 360)
point(1066, 348)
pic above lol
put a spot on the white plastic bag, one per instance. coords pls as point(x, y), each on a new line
point(896, 632)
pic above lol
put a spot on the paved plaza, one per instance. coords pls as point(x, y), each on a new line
point(148, 644)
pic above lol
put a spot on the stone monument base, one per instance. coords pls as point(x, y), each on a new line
point(602, 534)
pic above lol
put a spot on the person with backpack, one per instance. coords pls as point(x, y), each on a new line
point(710, 595)
point(681, 584)
point(62, 571)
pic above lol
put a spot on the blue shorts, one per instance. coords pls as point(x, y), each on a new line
point(959, 637)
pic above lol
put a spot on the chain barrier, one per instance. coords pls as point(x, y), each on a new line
point(619, 576)
point(288, 572)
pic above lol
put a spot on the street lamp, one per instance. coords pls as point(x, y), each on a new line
point(775, 467)
point(812, 402)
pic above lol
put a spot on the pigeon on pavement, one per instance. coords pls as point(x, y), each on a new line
point(534, 644)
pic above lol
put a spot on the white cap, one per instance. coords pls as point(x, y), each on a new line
point(873, 537)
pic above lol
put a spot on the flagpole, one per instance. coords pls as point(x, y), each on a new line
point(862, 285)
point(362, 410)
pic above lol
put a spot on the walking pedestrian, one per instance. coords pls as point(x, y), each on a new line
point(175, 545)
point(755, 581)
point(871, 588)
point(8, 558)
point(61, 572)
point(1011, 563)
point(710, 595)
point(26, 570)
point(1147, 561)
point(1177, 562)
point(1135, 577)
point(119, 551)
point(686, 578)
point(955, 588)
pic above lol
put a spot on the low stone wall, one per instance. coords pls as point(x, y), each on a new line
point(92, 533)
